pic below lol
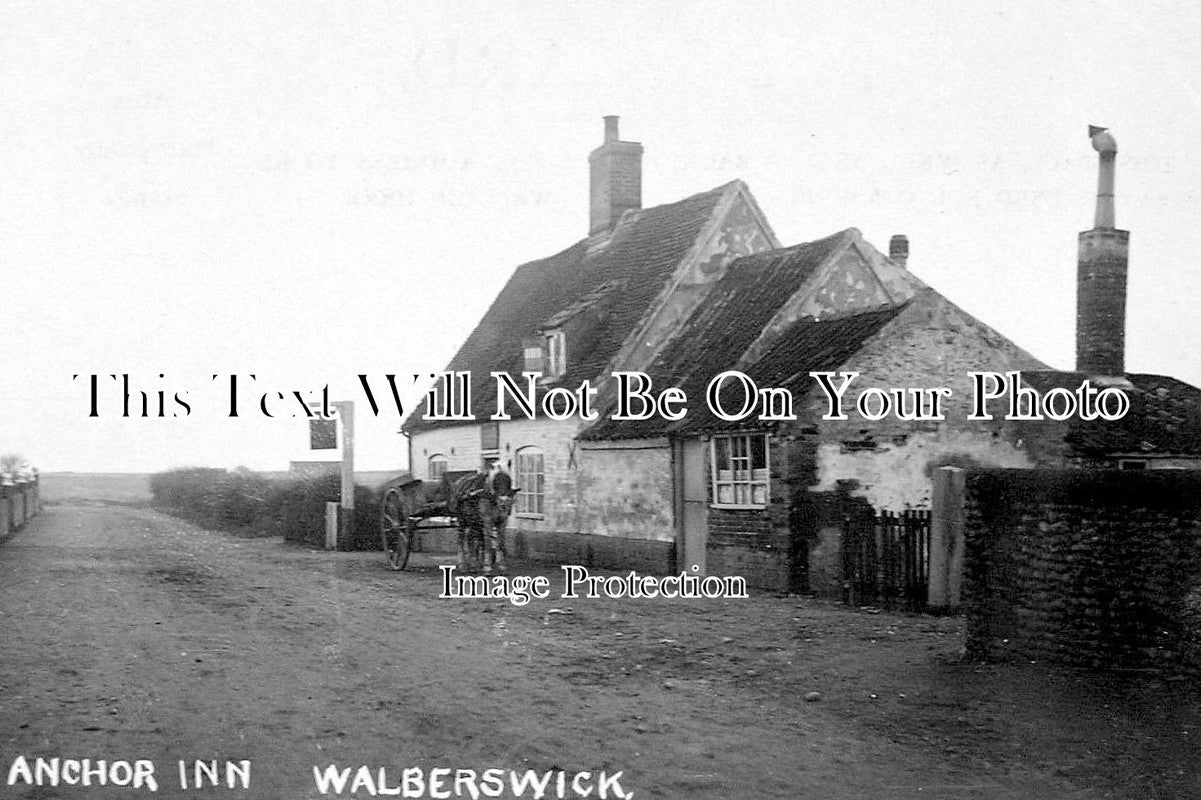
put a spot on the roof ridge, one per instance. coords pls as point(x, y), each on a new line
point(716, 190)
point(627, 219)
point(794, 248)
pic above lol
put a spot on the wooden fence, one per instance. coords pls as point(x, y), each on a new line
point(886, 558)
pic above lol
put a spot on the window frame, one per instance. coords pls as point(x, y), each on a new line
point(490, 439)
point(556, 354)
point(530, 502)
point(751, 482)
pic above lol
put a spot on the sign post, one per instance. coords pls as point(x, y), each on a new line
point(323, 435)
point(345, 410)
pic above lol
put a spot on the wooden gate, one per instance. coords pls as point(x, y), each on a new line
point(886, 558)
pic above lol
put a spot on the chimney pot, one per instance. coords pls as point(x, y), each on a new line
point(611, 129)
point(898, 249)
point(1107, 147)
point(1101, 266)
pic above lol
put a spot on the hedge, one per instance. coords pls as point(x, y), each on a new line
point(250, 503)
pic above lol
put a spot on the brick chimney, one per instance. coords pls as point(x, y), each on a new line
point(1101, 275)
point(615, 184)
point(898, 249)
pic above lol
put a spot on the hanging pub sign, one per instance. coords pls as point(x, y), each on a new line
point(323, 434)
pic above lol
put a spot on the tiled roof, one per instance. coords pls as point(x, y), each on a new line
point(808, 345)
point(1164, 417)
point(734, 314)
point(633, 268)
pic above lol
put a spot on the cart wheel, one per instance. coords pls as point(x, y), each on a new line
point(394, 531)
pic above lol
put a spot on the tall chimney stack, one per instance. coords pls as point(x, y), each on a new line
point(1102, 255)
point(615, 179)
point(898, 249)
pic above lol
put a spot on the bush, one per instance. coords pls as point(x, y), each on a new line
point(251, 503)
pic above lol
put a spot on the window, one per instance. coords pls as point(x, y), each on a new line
point(535, 361)
point(490, 438)
point(740, 470)
point(437, 468)
point(530, 481)
point(556, 354)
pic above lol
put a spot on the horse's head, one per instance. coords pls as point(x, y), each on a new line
point(504, 503)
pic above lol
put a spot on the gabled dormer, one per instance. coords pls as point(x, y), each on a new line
point(546, 352)
point(572, 330)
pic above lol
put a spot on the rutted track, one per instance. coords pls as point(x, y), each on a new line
point(129, 634)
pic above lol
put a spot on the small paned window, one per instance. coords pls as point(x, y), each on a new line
point(530, 479)
point(740, 471)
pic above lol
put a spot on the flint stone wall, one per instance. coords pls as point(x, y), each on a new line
point(1085, 567)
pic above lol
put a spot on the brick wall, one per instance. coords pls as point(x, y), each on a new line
point(1101, 301)
point(750, 544)
point(760, 545)
point(1094, 568)
point(615, 183)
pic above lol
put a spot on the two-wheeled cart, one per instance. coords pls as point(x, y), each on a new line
point(409, 506)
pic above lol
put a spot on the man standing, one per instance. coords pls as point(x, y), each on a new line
point(498, 490)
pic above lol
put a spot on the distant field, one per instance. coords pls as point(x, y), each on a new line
point(134, 487)
point(119, 487)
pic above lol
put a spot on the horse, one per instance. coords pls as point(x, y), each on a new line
point(482, 503)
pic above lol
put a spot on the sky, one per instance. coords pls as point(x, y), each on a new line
point(309, 192)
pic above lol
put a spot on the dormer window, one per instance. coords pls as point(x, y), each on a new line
point(581, 321)
point(534, 353)
point(556, 354)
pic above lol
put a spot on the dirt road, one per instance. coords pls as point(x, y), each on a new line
point(129, 635)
